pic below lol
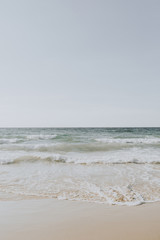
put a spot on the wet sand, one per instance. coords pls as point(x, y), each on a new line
point(66, 220)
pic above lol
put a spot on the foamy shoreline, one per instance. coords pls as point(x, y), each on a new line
point(66, 220)
point(117, 166)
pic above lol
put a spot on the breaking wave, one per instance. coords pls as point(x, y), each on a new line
point(72, 160)
point(77, 147)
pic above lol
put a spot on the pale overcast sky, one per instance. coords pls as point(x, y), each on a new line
point(81, 63)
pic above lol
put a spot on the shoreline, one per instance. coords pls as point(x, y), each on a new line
point(72, 220)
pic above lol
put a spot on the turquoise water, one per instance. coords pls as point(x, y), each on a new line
point(106, 165)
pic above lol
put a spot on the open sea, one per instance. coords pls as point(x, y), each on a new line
point(105, 165)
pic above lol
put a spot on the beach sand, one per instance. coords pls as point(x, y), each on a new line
point(67, 220)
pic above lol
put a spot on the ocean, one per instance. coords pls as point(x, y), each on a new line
point(118, 166)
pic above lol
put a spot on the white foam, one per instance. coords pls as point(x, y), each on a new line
point(122, 185)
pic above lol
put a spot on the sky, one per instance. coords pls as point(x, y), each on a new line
point(71, 63)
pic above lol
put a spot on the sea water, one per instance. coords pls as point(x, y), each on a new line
point(105, 165)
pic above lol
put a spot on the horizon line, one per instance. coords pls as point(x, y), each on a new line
point(84, 127)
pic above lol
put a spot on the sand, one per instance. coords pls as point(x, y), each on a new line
point(67, 220)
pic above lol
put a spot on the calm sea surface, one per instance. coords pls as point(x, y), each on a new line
point(105, 165)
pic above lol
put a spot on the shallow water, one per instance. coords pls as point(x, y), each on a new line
point(106, 165)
